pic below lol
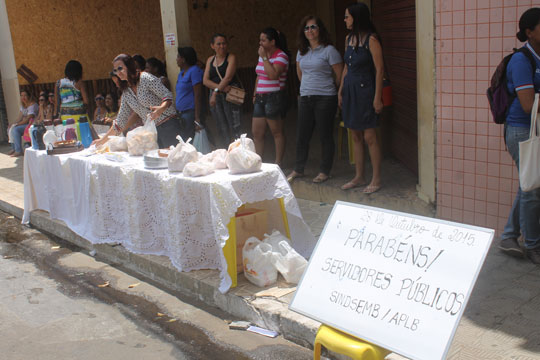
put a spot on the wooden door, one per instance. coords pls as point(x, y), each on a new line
point(395, 21)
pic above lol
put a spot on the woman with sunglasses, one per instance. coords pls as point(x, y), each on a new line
point(101, 110)
point(318, 63)
point(271, 72)
point(51, 106)
point(43, 114)
point(144, 94)
point(360, 94)
point(219, 74)
point(111, 103)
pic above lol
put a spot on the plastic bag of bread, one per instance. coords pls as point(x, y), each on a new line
point(241, 160)
point(117, 143)
point(181, 155)
point(198, 168)
point(143, 138)
point(247, 143)
point(217, 158)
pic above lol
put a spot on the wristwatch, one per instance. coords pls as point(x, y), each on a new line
point(265, 58)
point(216, 90)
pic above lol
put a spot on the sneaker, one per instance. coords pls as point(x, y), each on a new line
point(534, 255)
point(511, 247)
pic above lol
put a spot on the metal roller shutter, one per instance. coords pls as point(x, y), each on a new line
point(395, 21)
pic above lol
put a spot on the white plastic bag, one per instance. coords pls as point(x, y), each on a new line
point(247, 143)
point(217, 158)
point(201, 142)
point(258, 267)
point(181, 155)
point(241, 160)
point(142, 139)
point(288, 262)
point(117, 143)
point(198, 168)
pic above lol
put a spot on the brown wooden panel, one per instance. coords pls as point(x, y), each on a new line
point(395, 21)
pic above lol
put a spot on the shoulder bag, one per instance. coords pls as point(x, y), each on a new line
point(236, 95)
point(529, 153)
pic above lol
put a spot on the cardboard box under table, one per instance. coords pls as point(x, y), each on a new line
point(246, 223)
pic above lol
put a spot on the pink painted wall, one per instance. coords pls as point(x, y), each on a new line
point(476, 178)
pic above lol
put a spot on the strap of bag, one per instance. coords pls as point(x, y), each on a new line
point(235, 75)
point(217, 69)
point(533, 132)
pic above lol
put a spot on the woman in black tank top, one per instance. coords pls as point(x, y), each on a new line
point(219, 74)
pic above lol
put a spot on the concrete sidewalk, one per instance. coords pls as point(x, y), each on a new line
point(502, 320)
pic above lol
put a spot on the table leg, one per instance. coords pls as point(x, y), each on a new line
point(284, 215)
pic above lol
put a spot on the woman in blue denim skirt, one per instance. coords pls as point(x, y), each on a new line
point(525, 82)
point(318, 63)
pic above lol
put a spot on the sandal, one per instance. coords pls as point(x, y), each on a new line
point(352, 185)
point(294, 175)
point(11, 152)
point(322, 177)
point(370, 189)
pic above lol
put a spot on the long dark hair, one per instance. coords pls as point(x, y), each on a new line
point(133, 74)
point(361, 22)
point(158, 65)
point(73, 70)
point(189, 54)
point(279, 38)
point(302, 41)
point(528, 21)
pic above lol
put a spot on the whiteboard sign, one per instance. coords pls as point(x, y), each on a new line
point(397, 280)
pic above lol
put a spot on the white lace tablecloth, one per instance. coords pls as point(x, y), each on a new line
point(154, 211)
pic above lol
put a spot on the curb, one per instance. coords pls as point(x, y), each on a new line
point(241, 303)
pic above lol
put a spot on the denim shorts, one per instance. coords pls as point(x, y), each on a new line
point(268, 105)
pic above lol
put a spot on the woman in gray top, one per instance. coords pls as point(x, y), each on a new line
point(319, 67)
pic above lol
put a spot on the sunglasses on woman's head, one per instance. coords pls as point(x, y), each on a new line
point(118, 69)
point(311, 27)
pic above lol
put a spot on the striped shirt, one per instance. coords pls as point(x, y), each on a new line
point(266, 85)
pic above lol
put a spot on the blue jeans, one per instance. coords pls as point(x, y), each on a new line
point(524, 217)
point(16, 134)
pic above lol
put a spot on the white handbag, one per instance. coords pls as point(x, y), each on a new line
point(529, 154)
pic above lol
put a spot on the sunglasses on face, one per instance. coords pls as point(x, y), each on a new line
point(118, 69)
point(311, 27)
point(41, 99)
point(100, 98)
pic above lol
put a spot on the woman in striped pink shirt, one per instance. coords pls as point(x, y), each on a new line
point(272, 66)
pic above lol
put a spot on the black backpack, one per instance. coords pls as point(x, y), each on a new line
point(499, 97)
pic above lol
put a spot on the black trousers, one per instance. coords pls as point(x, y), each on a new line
point(320, 111)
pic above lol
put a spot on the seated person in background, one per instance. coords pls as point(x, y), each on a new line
point(112, 108)
point(101, 111)
point(157, 68)
point(140, 62)
point(51, 107)
point(42, 113)
point(28, 111)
